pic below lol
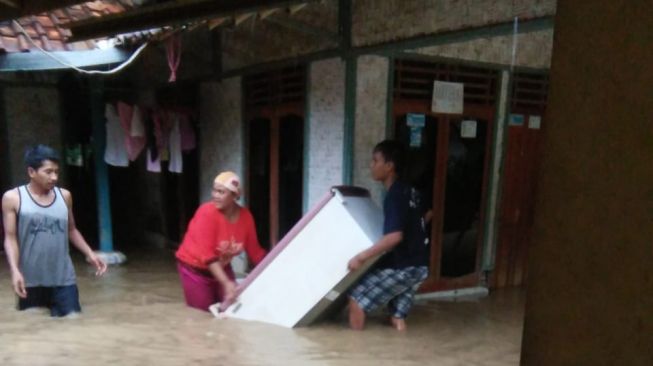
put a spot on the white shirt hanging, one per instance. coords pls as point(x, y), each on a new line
point(176, 159)
point(115, 152)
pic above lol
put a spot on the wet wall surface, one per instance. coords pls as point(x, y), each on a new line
point(590, 289)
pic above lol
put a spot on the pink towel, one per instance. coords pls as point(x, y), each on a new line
point(134, 145)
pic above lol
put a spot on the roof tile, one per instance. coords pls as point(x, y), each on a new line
point(46, 31)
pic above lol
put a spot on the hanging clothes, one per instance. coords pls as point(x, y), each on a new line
point(162, 127)
point(137, 128)
point(176, 159)
point(127, 114)
point(188, 139)
point(115, 152)
point(153, 164)
point(150, 137)
point(173, 55)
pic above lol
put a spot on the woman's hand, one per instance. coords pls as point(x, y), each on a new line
point(228, 285)
point(229, 291)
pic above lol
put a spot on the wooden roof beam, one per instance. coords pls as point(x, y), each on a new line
point(170, 14)
point(266, 13)
point(15, 9)
point(11, 3)
point(303, 27)
point(295, 8)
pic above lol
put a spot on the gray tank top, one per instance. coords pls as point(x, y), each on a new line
point(43, 241)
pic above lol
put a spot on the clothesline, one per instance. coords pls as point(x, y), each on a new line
point(90, 72)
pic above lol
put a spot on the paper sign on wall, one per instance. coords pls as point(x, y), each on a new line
point(415, 136)
point(415, 120)
point(74, 155)
point(534, 122)
point(468, 129)
point(447, 97)
point(516, 119)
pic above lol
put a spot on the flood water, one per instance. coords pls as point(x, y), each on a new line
point(135, 315)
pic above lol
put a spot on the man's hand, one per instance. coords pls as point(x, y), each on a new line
point(355, 263)
point(98, 263)
point(19, 284)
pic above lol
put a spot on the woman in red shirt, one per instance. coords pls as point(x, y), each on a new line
point(219, 230)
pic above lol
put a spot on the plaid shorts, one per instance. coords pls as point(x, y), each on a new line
point(395, 287)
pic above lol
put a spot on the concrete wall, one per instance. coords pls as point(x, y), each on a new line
point(531, 50)
point(371, 116)
point(590, 292)
point(221, 132)
point(281, 35)
point(326, 122)
point(389, 20)
point(32, 116)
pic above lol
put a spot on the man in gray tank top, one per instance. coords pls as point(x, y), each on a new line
point(39, 224)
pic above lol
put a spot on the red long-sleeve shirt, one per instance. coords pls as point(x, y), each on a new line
point(211, 237)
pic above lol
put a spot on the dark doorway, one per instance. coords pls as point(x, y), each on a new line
point(259, 177)
point(276, 155)
point(78, 161)
point(152, 209)
point(465, 168)
point(274, 108)
point(447, 161)
point(462, 202)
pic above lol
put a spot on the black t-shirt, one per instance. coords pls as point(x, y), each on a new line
point(403, 211)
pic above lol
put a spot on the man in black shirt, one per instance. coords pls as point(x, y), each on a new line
point(404, 266)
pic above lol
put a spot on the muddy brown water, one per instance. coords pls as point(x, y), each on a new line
point(135, 315)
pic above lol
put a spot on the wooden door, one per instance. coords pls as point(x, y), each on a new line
point(517, 202)
point(518, 187)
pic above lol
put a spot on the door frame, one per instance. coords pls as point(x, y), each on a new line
point(435, 282)
point(274, 113)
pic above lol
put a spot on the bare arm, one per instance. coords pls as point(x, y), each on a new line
point(10, 202)
point(78, 240)
point(386, 243)
point(228, 285)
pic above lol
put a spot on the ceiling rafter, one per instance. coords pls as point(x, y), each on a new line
point(303, 27)
point(171, 14)
point(238, 19)
point(15, 9)
point(266, 13)
point(11, 3)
